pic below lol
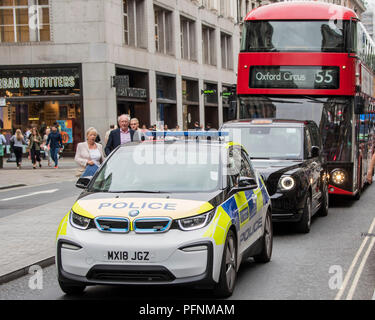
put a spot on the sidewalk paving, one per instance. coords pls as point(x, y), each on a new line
point(28, 237)
point(10, 176)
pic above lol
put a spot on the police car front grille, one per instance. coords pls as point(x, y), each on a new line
point(109, 224)
point(151, 225)
point(124, 274)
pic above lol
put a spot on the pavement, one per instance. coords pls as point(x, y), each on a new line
point(27, 237)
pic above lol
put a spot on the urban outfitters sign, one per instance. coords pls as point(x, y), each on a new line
point(294, 77)
point(37, 82)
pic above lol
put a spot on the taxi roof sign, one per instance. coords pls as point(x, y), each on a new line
point(261, 121)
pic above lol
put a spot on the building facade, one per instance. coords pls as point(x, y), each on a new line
point(82, 63)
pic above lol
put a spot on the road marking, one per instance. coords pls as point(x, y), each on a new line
point(37, 185)
point(354, 262)
point(359, 271)
point(30, 194)
point(373, 297)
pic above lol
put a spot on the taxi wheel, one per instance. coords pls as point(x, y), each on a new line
point(304, 225)
point(228, 272)
point(267, 241)
point(71, 290)
point(323, 211)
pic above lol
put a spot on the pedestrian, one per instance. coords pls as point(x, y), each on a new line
point(17, 142)
point(3, 143)
point(111, 127)
point(35, 140)
point(134, 125)
point(121, 135)
point(45, 148)
point(89, 154)
point(54, 141)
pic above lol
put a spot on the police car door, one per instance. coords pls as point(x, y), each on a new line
point(250, 207)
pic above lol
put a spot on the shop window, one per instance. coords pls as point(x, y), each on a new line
point(163, 31)
point(226, 51)
point(208, 45)
point(24, 21)
point(188, 39)
point(134, 23)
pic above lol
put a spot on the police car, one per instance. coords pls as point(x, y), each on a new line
point(166, 213)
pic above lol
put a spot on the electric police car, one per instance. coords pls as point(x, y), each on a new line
point(166, 213)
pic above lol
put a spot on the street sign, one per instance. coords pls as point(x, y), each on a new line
point(3, 102)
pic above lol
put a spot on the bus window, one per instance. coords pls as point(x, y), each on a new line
point(309, 36)
point(336, 129)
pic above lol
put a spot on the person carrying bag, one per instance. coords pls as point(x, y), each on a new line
point(89, 155)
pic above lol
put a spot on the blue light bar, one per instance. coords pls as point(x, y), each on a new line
point(186, 133)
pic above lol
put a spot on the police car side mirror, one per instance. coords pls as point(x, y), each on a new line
point(83, 182)
point(247, 183)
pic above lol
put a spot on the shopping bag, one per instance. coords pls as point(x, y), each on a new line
point(89, 171)
point(1, 150)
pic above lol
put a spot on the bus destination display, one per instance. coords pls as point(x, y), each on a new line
point(294, 77)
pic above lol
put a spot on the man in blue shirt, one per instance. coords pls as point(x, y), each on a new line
point(54, 140)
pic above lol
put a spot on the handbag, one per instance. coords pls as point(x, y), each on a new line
point(89, 171)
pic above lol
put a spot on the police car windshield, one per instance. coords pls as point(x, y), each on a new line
point(265, 142)
point(160, 167)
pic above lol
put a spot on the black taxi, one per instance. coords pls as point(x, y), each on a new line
point(288, 154)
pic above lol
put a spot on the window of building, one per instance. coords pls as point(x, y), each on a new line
point(208, 45)
point(188, 46)
point(24, 20)
point(163, 31)
point(226, 51)
point(134, 23)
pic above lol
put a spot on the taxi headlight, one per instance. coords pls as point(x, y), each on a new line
point(196, 222)
point(79, 221)
point(338, 176)
point(287, 183)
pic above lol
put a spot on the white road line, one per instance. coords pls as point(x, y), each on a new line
point(30, 194)
point(354, 262)
point(359, 271)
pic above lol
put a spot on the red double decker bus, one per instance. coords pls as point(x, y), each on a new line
point(313, 61)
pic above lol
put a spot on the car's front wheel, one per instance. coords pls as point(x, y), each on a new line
point(228, 271)
point(304, 225)
point(323, 211)
point(71, 289)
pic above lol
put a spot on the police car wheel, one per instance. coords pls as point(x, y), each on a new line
point(71, 289)
point(228, 272)
point(304, 225)
point(267, 241)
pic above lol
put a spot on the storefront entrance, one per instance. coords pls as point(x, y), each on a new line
point(40, 96)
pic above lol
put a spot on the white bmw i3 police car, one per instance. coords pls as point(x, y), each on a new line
point(166, 213)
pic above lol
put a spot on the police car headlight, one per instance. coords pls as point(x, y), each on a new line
point(196, 222)
point(287, 183)
point(79, 221)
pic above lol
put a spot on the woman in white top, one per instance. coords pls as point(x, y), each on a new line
point(89, 152)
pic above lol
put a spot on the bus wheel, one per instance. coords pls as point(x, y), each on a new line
point(357, 195)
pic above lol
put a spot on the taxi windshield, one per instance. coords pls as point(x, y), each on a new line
point(265, 142)
point(160, 168)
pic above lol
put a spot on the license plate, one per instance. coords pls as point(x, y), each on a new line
point(128, 256)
